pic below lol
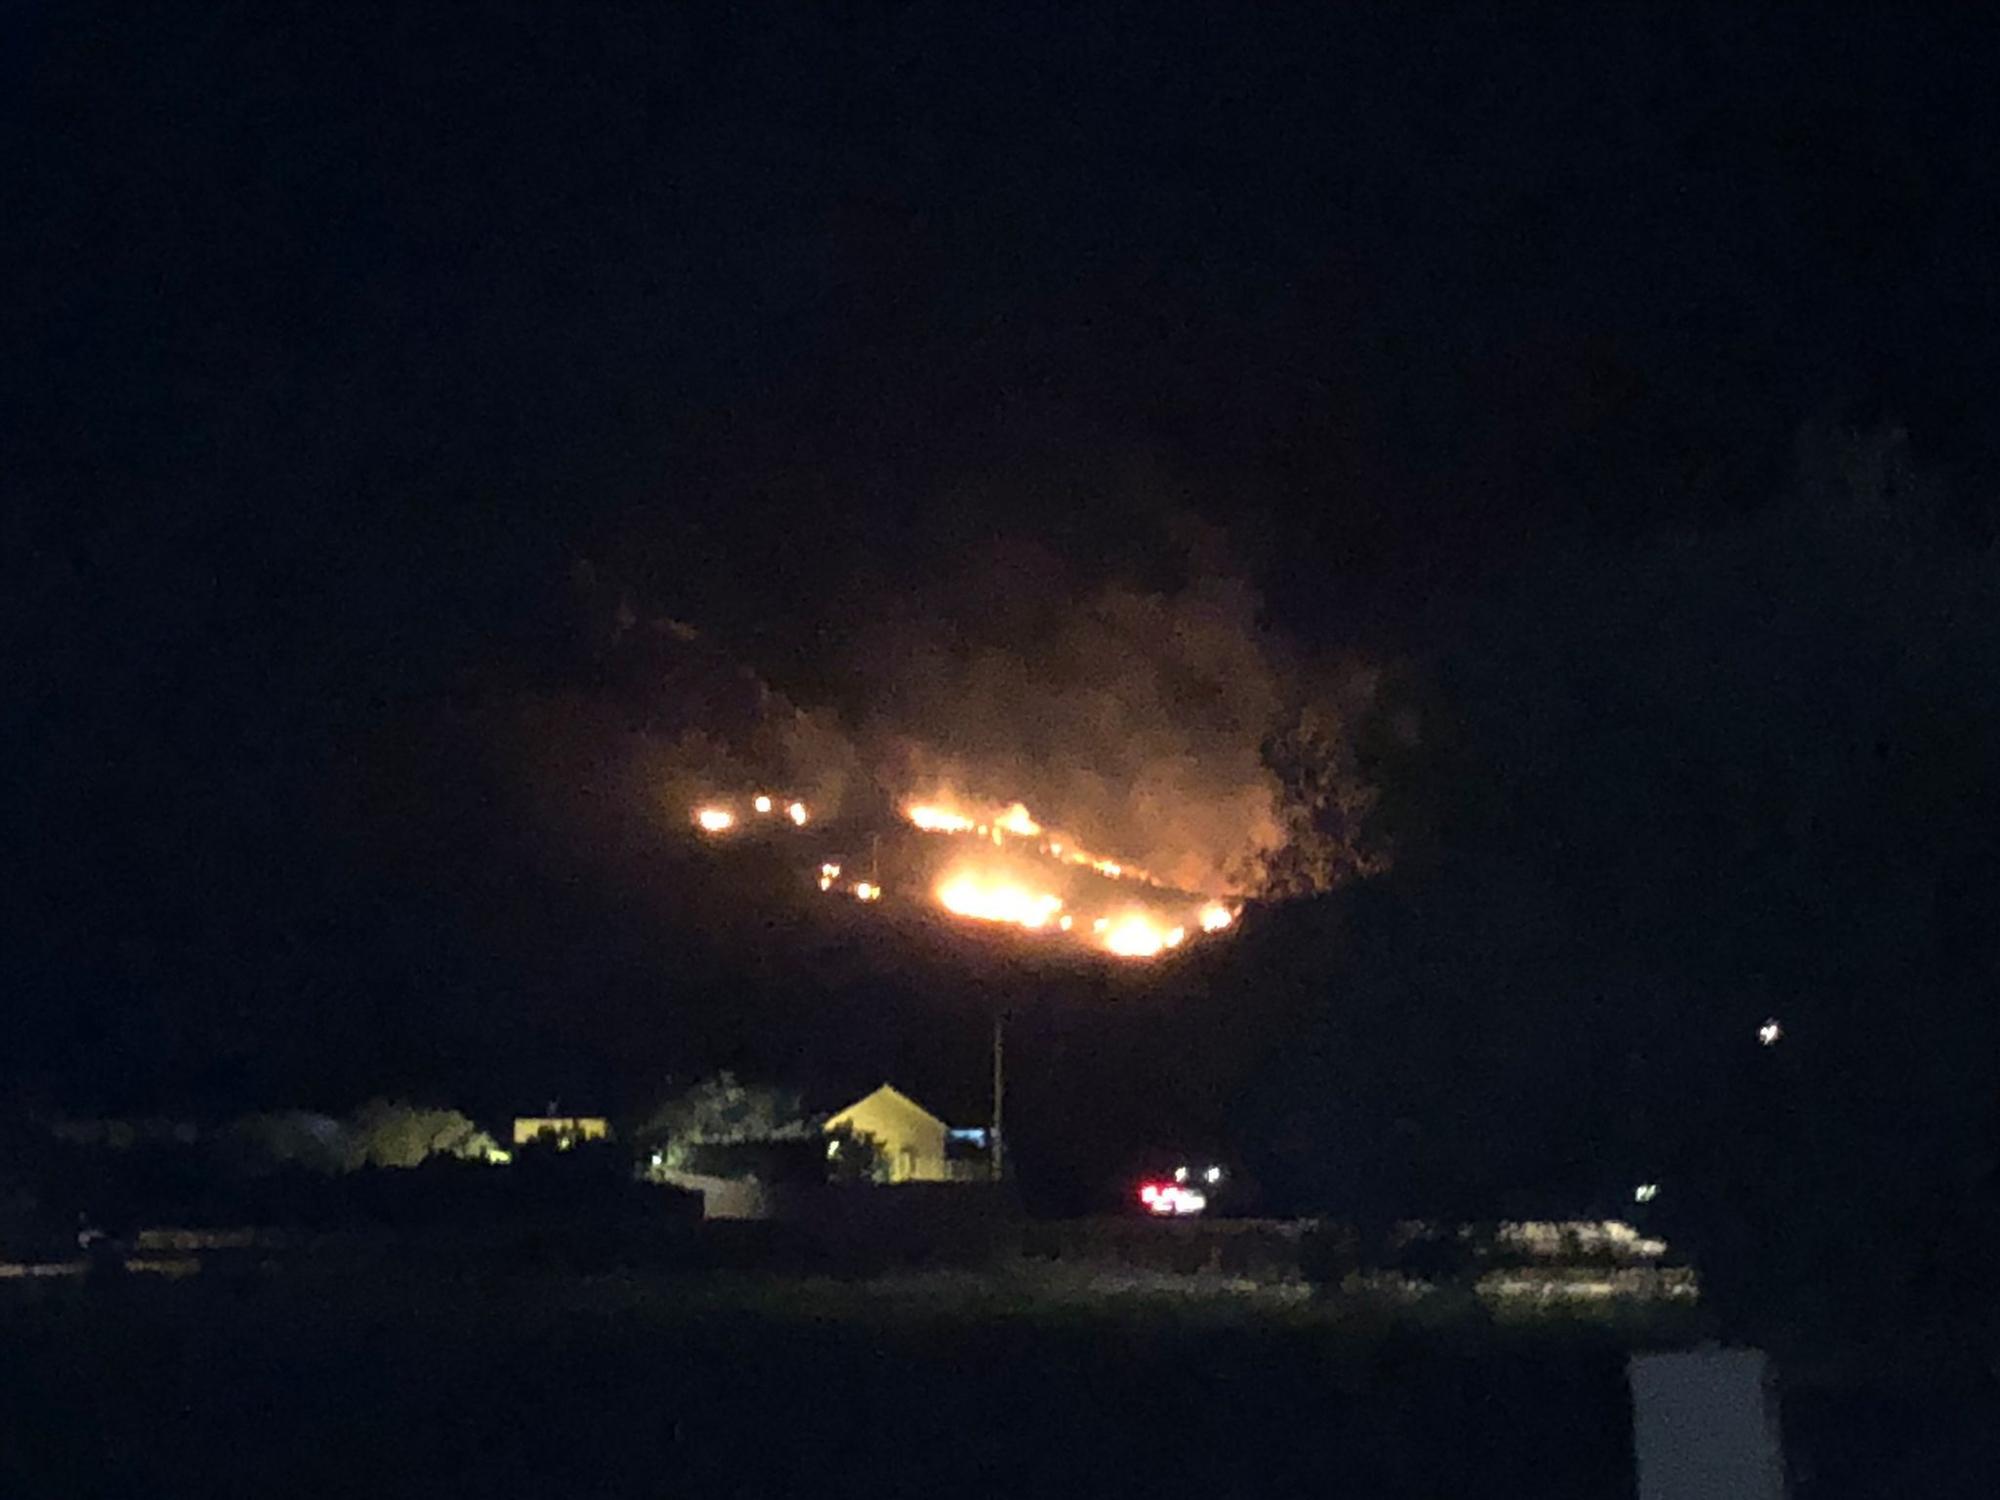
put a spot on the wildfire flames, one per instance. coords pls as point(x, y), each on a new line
point(966, 894)
point(1024, 876)
point(976, 890)
point(1014, 819)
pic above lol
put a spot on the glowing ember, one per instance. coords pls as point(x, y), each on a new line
point(1176, 936)
point(762, 804)
point(965, 894)
point(715, 819)
point(1066, 922)
point(797, 813)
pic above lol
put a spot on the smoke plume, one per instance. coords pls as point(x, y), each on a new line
point(1130, 718)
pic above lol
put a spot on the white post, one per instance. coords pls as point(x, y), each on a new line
point(1705, 1426)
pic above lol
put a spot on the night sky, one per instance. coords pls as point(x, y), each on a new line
point(339, 337)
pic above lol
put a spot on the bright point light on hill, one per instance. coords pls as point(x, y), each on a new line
point(1645, 1192)
point(1215, 917)
point(865, 890)
point(762, 804)
point(1770, 1033)
point(715, 819)
point(797, 813)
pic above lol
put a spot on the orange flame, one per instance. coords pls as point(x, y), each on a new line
point(967, 894)
point(1134, 936)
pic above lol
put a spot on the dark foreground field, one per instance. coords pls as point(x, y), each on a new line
point(395, 1384)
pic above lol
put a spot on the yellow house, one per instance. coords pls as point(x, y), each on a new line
point(567, 1129)
point(909, 1136)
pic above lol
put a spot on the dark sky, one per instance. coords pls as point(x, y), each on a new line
point(337, 334)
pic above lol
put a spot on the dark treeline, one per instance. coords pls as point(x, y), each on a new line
point(1666, 793)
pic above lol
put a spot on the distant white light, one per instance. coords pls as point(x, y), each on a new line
point(1770, 1033)
point(762, 804)
point(797, 813)
point(1165, 1199)
point(715, 819)
point(1645, 1192)
point(1180, 1174)
point(833, 1147)
point(865, 890)
point(659, 1157)
point(1212, 1176)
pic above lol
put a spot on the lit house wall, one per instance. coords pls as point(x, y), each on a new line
point(566, 1129)
point(909, 1136)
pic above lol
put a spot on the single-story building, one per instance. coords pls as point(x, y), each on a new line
point(565, 1130)
point(910, 1137)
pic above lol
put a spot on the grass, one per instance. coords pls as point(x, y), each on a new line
point(402, 1383)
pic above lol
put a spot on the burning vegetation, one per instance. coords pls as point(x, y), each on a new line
point(997, 865)
point(1164, 757)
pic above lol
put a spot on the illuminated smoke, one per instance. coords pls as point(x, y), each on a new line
point(1131, 723)
point(1052, 732)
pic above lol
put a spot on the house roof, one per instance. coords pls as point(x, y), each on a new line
point(891, 1094)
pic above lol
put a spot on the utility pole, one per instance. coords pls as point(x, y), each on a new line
point(996, 1152)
